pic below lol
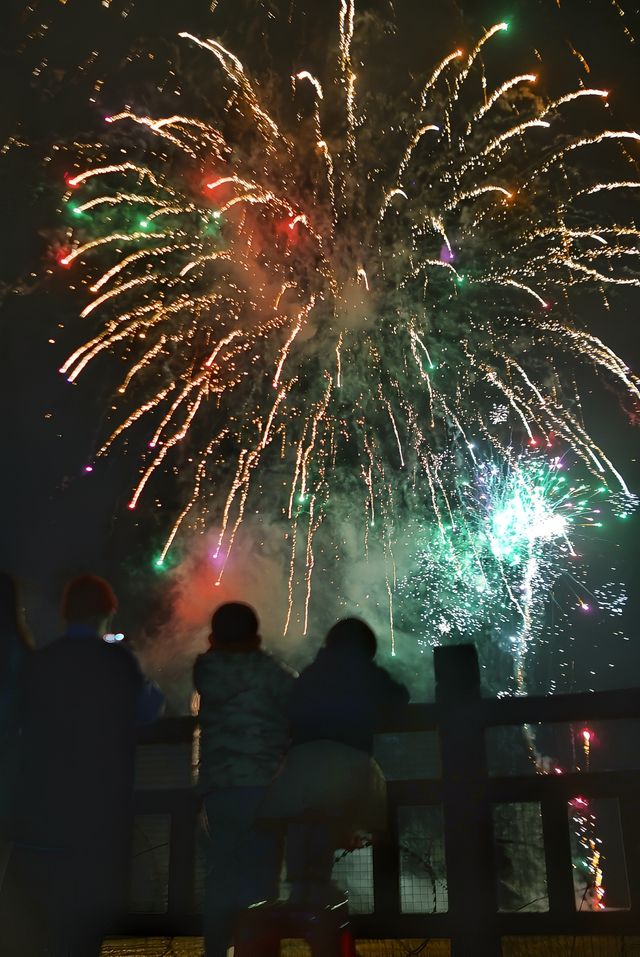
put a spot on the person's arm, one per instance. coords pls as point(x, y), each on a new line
point(285, 683)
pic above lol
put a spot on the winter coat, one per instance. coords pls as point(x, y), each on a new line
point(337, 704)
point(243, 717)
point(344, 696)
point(80, 710)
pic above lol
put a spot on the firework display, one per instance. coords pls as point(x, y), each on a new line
point(342, 294)
point(492, 568)
point(361, 318)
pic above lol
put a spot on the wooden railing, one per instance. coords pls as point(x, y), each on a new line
point(466, 794)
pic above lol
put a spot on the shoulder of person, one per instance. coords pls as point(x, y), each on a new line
point(390, 684)
point(64, 652)
point(323, 662)
point(316, 670)
point(218, 674)
point(204, 665)
point(121, 662)
point(278, 666)
point(93, 662)
point(114, 659)
point(202, 659)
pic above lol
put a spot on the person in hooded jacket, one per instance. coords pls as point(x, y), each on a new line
point(244, 734)
point(330, 788)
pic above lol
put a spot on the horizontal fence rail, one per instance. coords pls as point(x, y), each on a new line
point(462, 792)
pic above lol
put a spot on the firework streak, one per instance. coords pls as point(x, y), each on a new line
point(374, 311)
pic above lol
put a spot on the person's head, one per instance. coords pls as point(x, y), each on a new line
point(353, 636)
point(234, 627)
point(12, 623)
point(89, 600)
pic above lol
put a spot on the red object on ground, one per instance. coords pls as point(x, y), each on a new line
point(347, 944)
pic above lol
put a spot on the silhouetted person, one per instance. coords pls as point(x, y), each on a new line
point(330, 787)
point(15, 648)
point(244, 694)
point(82, 700)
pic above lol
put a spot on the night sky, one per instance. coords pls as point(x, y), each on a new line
point(56, 521)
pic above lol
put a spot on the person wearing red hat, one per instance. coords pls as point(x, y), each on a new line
point(81, 703)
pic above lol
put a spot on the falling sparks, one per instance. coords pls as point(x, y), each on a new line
point(351, 319)
point(491, 566)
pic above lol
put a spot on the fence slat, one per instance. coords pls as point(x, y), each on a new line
point(557, 853)
point(182, 859)
point(468, 824)
point(386, 871)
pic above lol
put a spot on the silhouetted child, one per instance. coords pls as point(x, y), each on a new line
point(330, 786)
point(244, 697)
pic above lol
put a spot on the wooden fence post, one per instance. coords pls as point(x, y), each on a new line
point(468, 824)
point(557, 855)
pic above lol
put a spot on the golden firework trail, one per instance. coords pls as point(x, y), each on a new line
point(334, 309)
